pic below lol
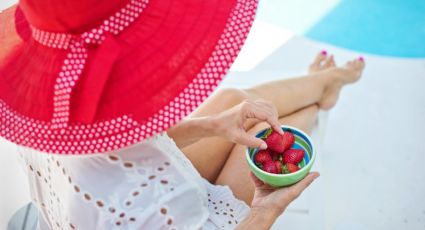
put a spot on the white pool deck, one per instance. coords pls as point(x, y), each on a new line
point(371, 145)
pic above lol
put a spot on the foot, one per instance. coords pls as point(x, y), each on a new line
point(339, 77)
point(323, 61)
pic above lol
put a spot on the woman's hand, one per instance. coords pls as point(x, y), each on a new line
point(231, 123)
point(276, 200)
point(269, 202)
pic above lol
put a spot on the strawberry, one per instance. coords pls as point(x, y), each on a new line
point(293, 156)
point(276, 156)
point(278, 167)
point(275, 142)
point(270, 167)
point(290, 168)
point(288, 140)
point(262, 156)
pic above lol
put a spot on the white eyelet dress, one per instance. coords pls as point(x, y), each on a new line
point(151, 185)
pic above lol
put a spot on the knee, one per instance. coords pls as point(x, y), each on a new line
point(232, 96)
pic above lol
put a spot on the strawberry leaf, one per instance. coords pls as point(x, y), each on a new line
point(285, 169)
point(259, 165)
point(267, 133)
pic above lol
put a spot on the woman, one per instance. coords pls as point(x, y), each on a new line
point(105, 82)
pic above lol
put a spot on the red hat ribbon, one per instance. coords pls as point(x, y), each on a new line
point(74, 63)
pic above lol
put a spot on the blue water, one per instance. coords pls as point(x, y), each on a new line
point(383, 27)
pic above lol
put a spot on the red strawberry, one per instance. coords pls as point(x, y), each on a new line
point(278, 167)
point(288, 140)
point(270, 167)
point(275, 142)
point(290, 168)
point(275, 156)
point(262, 156)
point(293, 156)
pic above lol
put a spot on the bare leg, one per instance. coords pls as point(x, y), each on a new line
point(322, 85)
point(287, 95)
point(235, 172)
point(210, 161)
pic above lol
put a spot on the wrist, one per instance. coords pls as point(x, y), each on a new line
point(265, 212)
point(206, 126)
point(213, 125)
point(262, 218)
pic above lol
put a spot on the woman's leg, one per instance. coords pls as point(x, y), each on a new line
point(210, 154)
point(288, 95)
point(235, 172)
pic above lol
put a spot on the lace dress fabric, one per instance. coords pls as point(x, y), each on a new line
point(151, 185)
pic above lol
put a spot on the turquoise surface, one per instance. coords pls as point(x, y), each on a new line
point(383, 27)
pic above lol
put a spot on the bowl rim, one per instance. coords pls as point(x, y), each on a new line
point(302, 170)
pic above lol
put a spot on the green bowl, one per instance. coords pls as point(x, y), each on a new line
point(302, 141)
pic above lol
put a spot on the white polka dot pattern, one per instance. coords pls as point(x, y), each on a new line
point(74, 63)
point(123, 131)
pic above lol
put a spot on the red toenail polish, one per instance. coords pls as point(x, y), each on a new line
point(361, 58)
point(324, 52)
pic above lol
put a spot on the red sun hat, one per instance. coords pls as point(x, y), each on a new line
point(79, 77)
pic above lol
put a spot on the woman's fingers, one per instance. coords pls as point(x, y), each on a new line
point(232, 123)
point(264, 111)
point(260, 184)
point(272, 115)
point(299, 187)
point(257, 182)
point(246, 139)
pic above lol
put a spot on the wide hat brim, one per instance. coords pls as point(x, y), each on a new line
point(169, 60)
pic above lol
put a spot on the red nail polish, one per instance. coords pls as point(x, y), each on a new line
point(324, 52)
point(361, 58)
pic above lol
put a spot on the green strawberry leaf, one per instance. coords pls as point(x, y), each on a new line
point(259, 165)
point(285, 169)
point(267, 133)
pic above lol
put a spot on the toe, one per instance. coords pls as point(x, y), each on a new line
point(317, 63)
point(320, 57)
point(332, 63)
point(329, 62)
point(358, 64)
point(361, 62)
point(349, 64)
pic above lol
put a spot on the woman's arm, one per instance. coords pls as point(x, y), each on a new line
point(258, 220)
point(228, 124)
point(268, 202)
point(190, 130)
